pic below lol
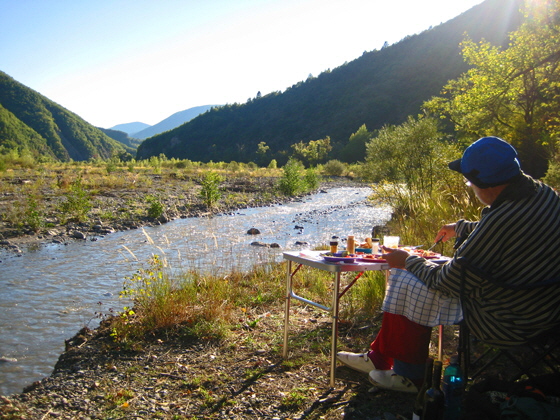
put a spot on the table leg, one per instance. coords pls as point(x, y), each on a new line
point(287, 308)
point(334, 338)
point(440, 343)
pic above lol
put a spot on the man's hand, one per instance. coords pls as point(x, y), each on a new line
point(446, 233)
point(395, 257)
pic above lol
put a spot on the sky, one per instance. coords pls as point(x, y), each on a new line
point(121, 61)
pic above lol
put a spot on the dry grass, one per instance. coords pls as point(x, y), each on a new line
point(210, 306)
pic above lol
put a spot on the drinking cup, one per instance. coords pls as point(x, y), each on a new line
point(391, 241)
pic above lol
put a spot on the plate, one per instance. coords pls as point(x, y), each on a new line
point(439, 260)
point(364, 250)
point(373, 260)
point(340, 259)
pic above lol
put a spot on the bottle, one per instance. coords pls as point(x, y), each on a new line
point(334, 246)
point(350, 244)
point(375, 246)
point(419, 403)
point(453, 386)
point(433, 399)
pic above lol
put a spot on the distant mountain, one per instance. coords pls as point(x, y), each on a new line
point(122, 137)
point(171, 122)
point(32, 122)
point(130, 128)
point(380, 87)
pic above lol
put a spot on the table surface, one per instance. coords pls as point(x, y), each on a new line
point(314, 259)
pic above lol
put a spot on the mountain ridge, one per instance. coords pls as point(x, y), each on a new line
point(130, 128)
point(380, 87)
point(29, 121)
point(171, 122)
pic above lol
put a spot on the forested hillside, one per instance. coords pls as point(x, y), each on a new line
point(381, 87)
point(31, 122)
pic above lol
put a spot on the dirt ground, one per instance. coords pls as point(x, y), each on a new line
point(244, 376)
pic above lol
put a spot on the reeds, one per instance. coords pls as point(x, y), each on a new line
point(211, 306)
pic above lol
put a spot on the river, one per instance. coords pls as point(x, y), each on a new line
point(50, 292)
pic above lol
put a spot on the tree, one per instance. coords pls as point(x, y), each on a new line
point(408, 164)
point(313, 152)
point(355, 150)
point(512, 93)
point(262, 150)
point(412, 153)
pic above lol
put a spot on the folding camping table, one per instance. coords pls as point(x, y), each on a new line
point(314, 259)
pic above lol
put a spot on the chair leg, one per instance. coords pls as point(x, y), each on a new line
point(463, 351)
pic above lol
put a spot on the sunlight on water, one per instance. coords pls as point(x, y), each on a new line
point(51, 292)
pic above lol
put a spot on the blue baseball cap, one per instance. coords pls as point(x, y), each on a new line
point(488, 162)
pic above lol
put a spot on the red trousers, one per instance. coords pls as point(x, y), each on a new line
point(401, 339)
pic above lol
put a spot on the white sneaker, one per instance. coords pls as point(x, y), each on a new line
point(388, 379)
point(357, 361)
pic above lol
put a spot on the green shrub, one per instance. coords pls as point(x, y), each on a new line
point(78, 202)
point(290, 183)
point(409, 164)
point(33, 216)
point(155, 207)
point(552, 176)
point(311, 179)
point(334, 168)
point(211, 192)
point(111, 166)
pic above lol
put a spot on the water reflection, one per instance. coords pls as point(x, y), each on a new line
point(52, 291)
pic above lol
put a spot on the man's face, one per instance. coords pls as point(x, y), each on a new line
point(481, 195)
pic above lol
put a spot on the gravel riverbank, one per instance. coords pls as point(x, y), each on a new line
point(119, 207)
point(243, 377)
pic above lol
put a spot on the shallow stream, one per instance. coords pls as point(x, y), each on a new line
point(49, 293)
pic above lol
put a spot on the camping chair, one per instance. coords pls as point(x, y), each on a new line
point(541, 352)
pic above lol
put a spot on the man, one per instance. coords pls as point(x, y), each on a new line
point(516, 241)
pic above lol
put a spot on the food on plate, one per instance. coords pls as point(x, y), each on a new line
point(338, 254)
point(348, 258)
point(425, 253)
point(372, 258)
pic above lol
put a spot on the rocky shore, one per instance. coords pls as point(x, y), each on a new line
point(120, 209)
point(243, 377)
